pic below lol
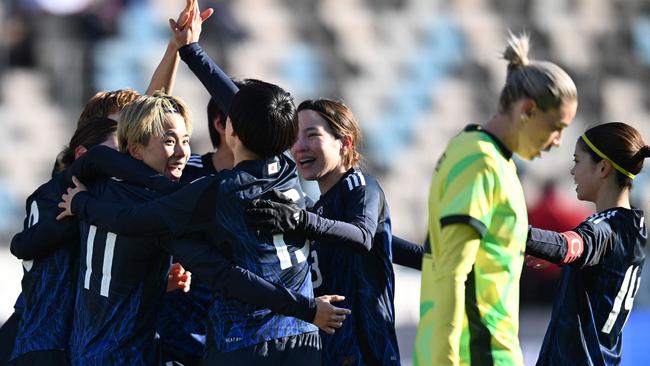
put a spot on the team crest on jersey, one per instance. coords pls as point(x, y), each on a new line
point(273, 168)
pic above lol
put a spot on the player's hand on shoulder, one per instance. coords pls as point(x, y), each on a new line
point(66, 198)
point(329, 317)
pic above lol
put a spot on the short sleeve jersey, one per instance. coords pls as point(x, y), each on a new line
point(596, 291)
point(48, 282)
point(475, 183)
point(120, 286)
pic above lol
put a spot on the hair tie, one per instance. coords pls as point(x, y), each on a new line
point(602, 155)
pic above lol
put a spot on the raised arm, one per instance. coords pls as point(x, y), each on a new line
point(164, 76)
point(216, 82)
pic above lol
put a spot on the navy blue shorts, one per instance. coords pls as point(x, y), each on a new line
point(302, 349)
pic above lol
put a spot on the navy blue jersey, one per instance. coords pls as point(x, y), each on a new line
point(198, 166)
point(364, 277)
point(191, 210)
point(281, 259)
point(119, 289)
point(49, 249)
point(182, 322)
point(596, 291)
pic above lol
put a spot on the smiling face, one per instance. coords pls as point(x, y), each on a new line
point(543, 129)
point(167, 154)
point(317, 151)
point(584, 173)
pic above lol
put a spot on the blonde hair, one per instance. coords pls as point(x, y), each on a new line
point(146, 117)
point(542, 81)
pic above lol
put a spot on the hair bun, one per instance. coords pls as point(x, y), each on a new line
point(644, 151)
point(517, 51)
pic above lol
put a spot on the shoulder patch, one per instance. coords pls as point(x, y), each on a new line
point(355, 180)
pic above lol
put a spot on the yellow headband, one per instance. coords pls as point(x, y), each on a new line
point(600, 153)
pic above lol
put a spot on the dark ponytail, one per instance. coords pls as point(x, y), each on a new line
point(644, 152)
point(89, 134)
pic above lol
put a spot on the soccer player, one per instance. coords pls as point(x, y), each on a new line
point(221, 158)
point(239, 333)
point(49, 249)
point(122, 278)
point(602, 257)
point(469, 302)
point(350, 230)
point(283, 259)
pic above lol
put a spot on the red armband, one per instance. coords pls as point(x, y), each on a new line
point(575, 246)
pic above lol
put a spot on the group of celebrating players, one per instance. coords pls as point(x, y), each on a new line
point(137, 252)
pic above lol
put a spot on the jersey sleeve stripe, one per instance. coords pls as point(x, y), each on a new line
point(477, 225)
point(362, 179)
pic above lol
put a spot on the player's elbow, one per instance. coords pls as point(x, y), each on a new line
point(17, 248)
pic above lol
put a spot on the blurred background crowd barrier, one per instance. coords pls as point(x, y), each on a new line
point(415, 72)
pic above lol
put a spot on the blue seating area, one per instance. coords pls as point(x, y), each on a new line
point(440, 50)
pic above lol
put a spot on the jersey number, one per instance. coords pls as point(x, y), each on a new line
point(317, 279)
point(31, 221)
point(283, 252)
point(624, 298)
point(107, 265)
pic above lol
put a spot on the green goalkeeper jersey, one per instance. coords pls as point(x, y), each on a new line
point(469, 305)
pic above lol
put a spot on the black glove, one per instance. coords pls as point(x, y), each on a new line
point(276, 217)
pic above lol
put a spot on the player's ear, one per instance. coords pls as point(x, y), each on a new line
point(135, 150)
point(219, 126)
point(346, 144)
point(79, 150)
point(605, 168)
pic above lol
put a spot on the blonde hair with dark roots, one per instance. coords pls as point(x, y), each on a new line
point(146, 117)
point(542, 81)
